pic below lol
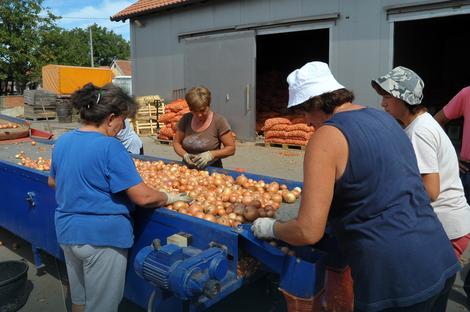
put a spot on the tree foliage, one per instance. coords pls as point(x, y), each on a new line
point(19, 26)
point(29, 40)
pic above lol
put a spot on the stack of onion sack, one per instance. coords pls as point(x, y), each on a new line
point(217, 197)
point(292, 131)
point(173, 113)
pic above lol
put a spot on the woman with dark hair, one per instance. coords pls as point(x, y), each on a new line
point(203, 137)
point(96, 185)
point(374, 201)
point(402, 93)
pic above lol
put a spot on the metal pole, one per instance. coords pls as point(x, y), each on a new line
point(91, 47)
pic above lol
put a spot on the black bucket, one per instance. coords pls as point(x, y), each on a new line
point(64, 110)
point(13, 286)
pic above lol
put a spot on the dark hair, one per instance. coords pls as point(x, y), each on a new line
point(327, 101)
point(414, 109)
point(95, 104)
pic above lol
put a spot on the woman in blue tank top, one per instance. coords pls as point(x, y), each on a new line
point(375, 202)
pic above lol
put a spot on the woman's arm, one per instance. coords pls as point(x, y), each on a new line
point(145, 196)
point(441, 118)
point(51, 182)
point(228, 149)
point(325, 160)
point(178, 143)
point(432, 185)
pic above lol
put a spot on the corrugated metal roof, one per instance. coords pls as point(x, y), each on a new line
point(146, 6)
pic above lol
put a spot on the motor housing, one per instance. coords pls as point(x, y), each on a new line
point(186, 271)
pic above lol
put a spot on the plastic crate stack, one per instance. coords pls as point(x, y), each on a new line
point(151, 107)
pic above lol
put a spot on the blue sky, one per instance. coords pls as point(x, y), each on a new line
point(82, 13)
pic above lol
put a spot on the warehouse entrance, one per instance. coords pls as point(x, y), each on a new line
point(435, 49)
point(276, 56)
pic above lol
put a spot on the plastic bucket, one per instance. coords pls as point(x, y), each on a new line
point(13, 287)
point(64, 111)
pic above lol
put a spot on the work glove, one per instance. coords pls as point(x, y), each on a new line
point(174, 197)
point(188, 159)
point(263, 228)
point(203, 159)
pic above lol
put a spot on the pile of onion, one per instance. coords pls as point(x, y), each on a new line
point(41, 164)
point(217, 197)
point(9, 125)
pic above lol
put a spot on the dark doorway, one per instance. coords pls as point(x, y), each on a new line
point(436, 50)
point(277, 55)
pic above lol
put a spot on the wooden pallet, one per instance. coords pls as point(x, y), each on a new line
point(165, 142)
point(146, 120)
point(148, 111)
point(283, 146)
point(38, 113)
point(145, 127)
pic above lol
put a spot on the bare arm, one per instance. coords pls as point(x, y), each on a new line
point(51, 182)
point(325, 161)
point(432, 185)
point(178, 143)
point(228, 149)
point(145, 196)
point(441, 118)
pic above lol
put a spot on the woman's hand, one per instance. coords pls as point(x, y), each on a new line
point(203, 159)
point(188, 159)
point(263, 228)
point(171, 197)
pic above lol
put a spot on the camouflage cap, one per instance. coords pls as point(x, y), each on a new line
point(402, 83)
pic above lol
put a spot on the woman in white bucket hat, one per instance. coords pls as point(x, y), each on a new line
point(374, 202)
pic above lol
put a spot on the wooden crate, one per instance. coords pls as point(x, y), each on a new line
point(146, 119)
point(145, 127)
point(39, 113)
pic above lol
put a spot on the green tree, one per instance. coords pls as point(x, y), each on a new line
point(107, 45)
point(20, 22)
point(72, 47)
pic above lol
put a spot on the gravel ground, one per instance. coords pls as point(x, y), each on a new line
point(49, 286)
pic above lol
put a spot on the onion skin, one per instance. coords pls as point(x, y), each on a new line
point(289, 197)
point(255, 203)
point(251, 213)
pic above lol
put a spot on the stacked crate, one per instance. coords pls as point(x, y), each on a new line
point(146, 120)
point(39, 104)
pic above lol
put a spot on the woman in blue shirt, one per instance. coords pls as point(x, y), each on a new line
point(375, 201)
point(96, 186)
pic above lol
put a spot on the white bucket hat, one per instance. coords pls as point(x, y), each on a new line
point(310, 80)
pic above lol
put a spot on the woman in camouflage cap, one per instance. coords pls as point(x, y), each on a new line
point(402, 94)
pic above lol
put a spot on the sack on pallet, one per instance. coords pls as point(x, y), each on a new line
point(301, 127)
point(274, 121)
point(287, 141)
point(274, 134)
point(163, 137)
point(167, 117)
point(298, 134)
point(176, 106)
point(168, 132)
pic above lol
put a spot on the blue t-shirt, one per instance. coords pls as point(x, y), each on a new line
point(92, 172)
point(397, 249)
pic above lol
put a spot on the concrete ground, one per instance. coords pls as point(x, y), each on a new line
point(49, 287)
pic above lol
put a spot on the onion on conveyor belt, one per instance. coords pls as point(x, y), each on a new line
point(11, 131)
